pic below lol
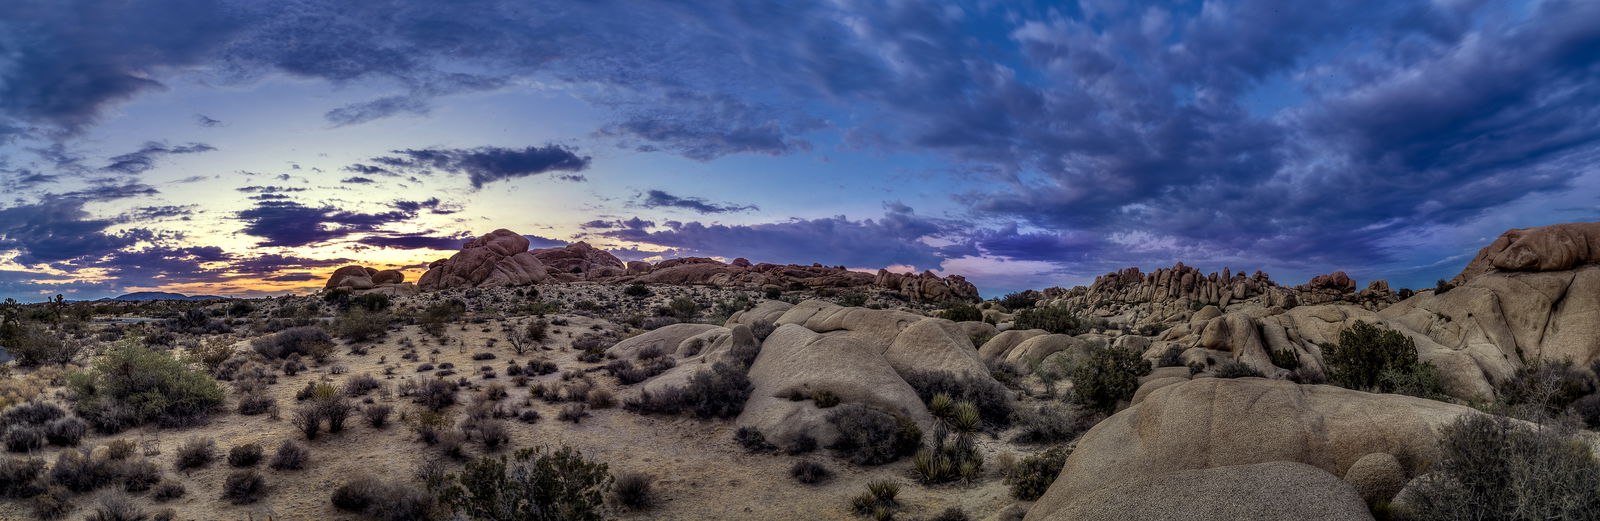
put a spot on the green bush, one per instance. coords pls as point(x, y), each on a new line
point(1493, 467)
point(303, 340)
point(435, 317)
point(1545, 386)
point(132, 385)
point(962, 312)
point(1051, 423)
point(360, 324)
point(32, 345)
point(1106, 376)
point(1020, 300)
point(1056, 319)
point(1034, 474)
point(534, 485)
point(992, 399)
point(1378, 359)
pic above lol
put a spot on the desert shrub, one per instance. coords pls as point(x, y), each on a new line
point(962, 312)
point(1378, 359)
point(357, 494)
point(824, 399)
point(654, 323)
point(117, 507)
point(18, 475)
point(24, 438)
point(55, 501)
point(868, 436)
point(1020, 300)
point(120, 449)
point(256, 403)
point(31, 346)
point(493, 434)
point(528, 416)
point(535, 485)
point(360, 324)
point(1284, 358)
point(31, 413)
point(1235, 369)
point(246, 455)
point(138, 475)
point(809, 472)
point(636, 290)
point(357, 385)
point(243, 487)
point(1051, 423)
point(1493, 467)
point(602, 399)
point(573, 412)
point(951, 514)
point(1106, 376)
point(377, 414)
point(762, 329)
point(290, 456)
point(304, 340)
point(1546, 386)
point(1588, 410)
point(992, 399)
point(308, 419)
point(452, 443)
point(78, 471)
point(946, 460)
point(629, 373)
point(718, 393)
point(132, 385)
point(167, 491)
point(752, 440)
point(437, 394)
point(683, 308)
point(436, 316)
point(632, 491)
point(1034, 474)
point(194, 453)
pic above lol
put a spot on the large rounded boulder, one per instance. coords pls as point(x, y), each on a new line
point(499, 258)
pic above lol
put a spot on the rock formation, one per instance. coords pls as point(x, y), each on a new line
point(1191, 432)
point(363, 279)
point(1169, 295)
point(580, 261)
point(500, 258)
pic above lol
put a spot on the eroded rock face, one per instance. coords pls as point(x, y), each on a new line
point(364, 279)
point(1272, 491)
point(499, 258)
point(1171, 295)
point(1211, 422)
point(1545, 248)
point(580, 261)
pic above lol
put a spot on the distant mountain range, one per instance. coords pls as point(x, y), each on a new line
point(160, 295)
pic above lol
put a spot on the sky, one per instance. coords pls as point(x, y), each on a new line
point(249, 148)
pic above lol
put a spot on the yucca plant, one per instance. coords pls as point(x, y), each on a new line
point(941, 405)
point(964, 417)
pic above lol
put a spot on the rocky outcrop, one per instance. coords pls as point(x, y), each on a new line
point(502, 258)
point(364, 279)
point(1211, 422)
point(580, 261)
point(1168, 295)
point(499, 258)
point(1547, 248)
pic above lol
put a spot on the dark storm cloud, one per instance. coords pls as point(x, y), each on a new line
point(145, 158)
point(896, 238)
point(58, 229)
point(112, 191)
point(487, 164)
point(289, 223)
point(415, 241)
point(358, 180)
point(294, 277)
point(432, 204)
point(368, 170)
point(659, 199)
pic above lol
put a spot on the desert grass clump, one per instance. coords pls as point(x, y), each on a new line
point(290, 456)
point(809, 472)
point(247, 455)
point(78, 471)
point(361, 384)
point(1235, 369)
point(304, 340)
point(65, 432)
point(602, 399)
point(24, 438)
point(492, 433)
point(243, 487)
point(167, 491)
point(253, 403)
point(869, 436)
point(632, 491)
point(437, 394)
point(196, 452)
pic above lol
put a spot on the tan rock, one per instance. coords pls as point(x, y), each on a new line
point(1271, 491)
point(1376, 477)
point(1003, 343)
point(667, 340)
